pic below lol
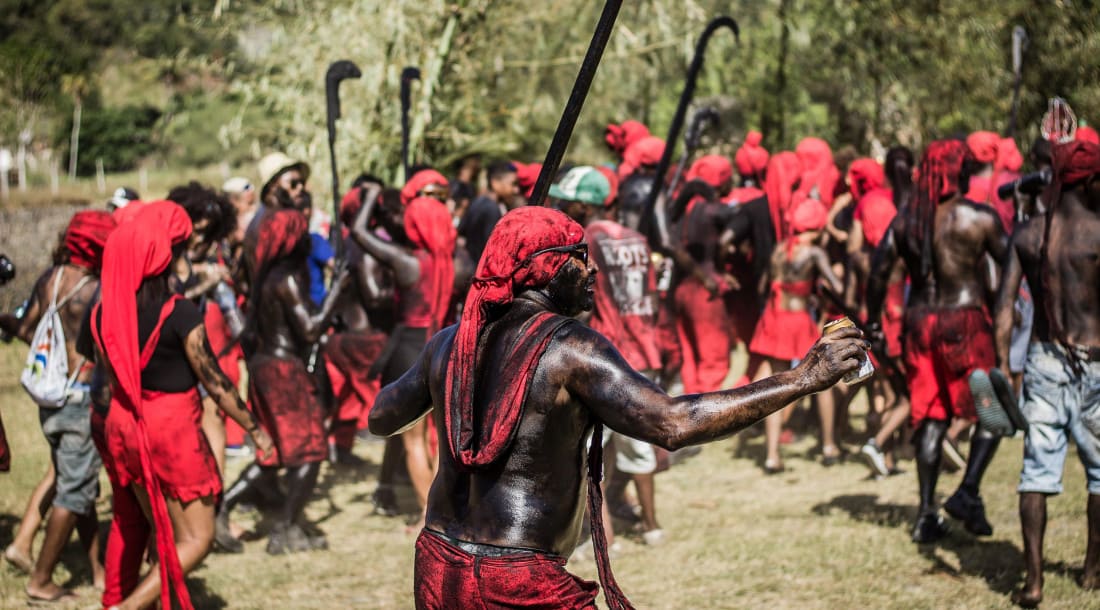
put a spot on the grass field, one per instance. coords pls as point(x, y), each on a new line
point(809, 538)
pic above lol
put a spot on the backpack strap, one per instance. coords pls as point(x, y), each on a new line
point(56, 304)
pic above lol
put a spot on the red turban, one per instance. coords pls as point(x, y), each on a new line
point(506, 269)
point(983, 145)
point(715, 170)
point(808, 215)
point(864, 176)
point(527, 174)
point(646, 151)
point(612, 182)
point(420, 180)
point(86, 237)
point(938, 174)
point(751, 158)
point(876, 211)
point(429, 227)
point(620, 137)
point(818, 170)
point(280, 233)
point(1008, 155)
point(139, 249)
point(1087, 134)
point(350, 205)
point(128, 213)
point(1076, 161)
point(783, 174)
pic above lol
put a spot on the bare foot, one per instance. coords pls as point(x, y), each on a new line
point(1027, 597)
point(49, 593)
point(18, 559)
point(1089, 582)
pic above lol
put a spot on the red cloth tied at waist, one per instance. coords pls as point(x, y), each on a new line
point(783, 334)
point(284, 398)
point(138, 249)
point(86, 236)
point(620, 137)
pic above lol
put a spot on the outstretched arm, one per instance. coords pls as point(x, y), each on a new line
point(594, 373)
point(406, 269)
point(403, 402)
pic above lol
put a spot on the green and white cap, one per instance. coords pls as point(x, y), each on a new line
point(583, 183)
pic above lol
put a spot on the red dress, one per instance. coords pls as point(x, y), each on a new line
point(783, 334)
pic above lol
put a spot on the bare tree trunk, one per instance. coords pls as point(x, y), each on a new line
point(431, 78)
point(74, 139)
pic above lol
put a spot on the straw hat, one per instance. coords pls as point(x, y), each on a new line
point(274, 164)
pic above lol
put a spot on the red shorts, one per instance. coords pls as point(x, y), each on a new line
point(942, 348)
point(348, 357)
point(449, 577)
point(284, 397)
point(784, 335)
point(181, 455)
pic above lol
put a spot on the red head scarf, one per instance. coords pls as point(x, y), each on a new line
point(937, 179)
point(527, 174)
point(1087, 134)
point(128, 213)
point(280, 233)
point(139, 249)
point(783, 174)
point(818, 170)
point(86, 237)
point(1008, 155)
point(429, 227)
point(350, 205)
point(808, 215)
point(865, 175)
point(984, 145)
point(620, 137)
point(505, 270)
point(646, 151)
point(715, 170)
point(612, 181)
point(1076, 161)
point(420, 180)
point(751, 158)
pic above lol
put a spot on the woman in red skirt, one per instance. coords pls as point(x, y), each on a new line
point(153, 345)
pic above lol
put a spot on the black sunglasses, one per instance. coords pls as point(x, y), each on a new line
point(580, 250)
point(295, 183)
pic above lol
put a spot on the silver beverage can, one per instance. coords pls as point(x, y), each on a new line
point(866, 368)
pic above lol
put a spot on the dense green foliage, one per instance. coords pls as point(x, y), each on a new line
point(236, 78)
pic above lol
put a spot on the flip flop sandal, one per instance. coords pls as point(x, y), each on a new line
point(991, 415)
point(1003, 388)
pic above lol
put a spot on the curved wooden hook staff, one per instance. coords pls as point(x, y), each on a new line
point(650, 215)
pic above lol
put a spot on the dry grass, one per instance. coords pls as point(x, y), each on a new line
point(810, 538)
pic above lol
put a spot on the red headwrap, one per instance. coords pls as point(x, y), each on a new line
point(429, 227)
point(783, 174)
point(527, 174)
point(1075, 161)
point(1008, 155)
point(128, 213)
point(715, 170)
point(280, 233)
point(751, 158)
point(86, 237)
point(505, 269)
point(350, 205)
point(984, 145)
point(646, 151)
point(420, 180)
point(137, 250)
point(818, 170)
point(808, 215)
point(612, 181)
point(620, 137)
point(937, 179)
point(865, 175)
point(1087, 134)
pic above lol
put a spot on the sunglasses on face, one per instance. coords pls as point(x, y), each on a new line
point(578, 250)
point(297, 182)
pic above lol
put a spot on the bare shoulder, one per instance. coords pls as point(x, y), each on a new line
point(1028, 235)
point(576, 346)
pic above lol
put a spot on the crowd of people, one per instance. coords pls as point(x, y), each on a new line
point(546, 339)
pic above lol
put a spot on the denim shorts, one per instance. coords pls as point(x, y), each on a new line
point(1021, 333)
point(1059, 403)
point(68, 430)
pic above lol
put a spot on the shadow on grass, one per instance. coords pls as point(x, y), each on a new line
point(202, 597)
point(998, 562)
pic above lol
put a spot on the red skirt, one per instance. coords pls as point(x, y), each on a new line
point(445, 576)
point(181, 455)
point(348, 357)
point(784, 335)
point(284, 397)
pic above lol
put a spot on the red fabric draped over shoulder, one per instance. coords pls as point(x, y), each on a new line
point(429, 227)
point(818, 170)
point(784, 171)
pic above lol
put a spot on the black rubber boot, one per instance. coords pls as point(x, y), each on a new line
point(966, 504)
point(929, 439)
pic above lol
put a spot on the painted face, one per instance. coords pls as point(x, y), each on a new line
point(573, 288)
